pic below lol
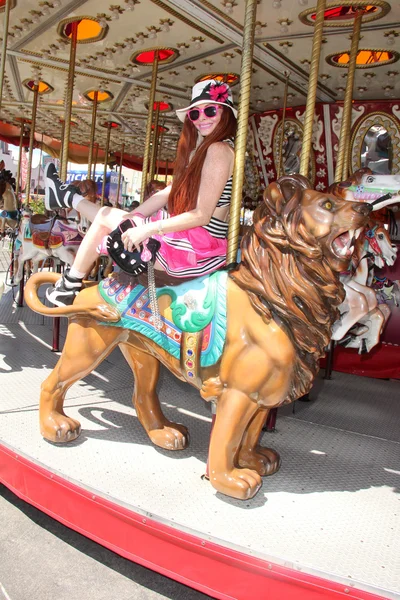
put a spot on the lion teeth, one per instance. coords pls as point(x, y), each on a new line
point(358, 232)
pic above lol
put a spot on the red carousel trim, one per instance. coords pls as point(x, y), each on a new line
point(212, 569)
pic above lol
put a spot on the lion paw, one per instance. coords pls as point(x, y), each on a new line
point(263, 460)
point(172, 436)
point(211, 388)
point(242, 484)
point(59, 428)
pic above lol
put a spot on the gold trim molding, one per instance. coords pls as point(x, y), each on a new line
point(384, 63)
point(384, 6)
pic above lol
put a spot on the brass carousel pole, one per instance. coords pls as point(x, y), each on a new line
point(148, 126)
point(92, 132)
point(96, 154)
point(166, 171)
point(31, 140)
point(103, 186)
point(68, 101)
point(312, 88)
point(243, 117)
point(7, 8)
point(342, 160)
point(159, 150)
point(282, 136)
point(21, 139)
point(62, 138)
point(154, 146)
point(120, 175)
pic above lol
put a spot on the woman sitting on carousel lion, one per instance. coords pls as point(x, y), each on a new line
point(192, 231)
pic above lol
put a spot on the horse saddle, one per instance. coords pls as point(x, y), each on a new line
point(41, 228)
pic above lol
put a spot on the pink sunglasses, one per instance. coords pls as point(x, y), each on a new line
point(208, 111)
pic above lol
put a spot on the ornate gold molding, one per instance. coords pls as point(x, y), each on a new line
point(384, 63)
point(384, 6)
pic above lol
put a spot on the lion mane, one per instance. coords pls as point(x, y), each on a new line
point(289, 280)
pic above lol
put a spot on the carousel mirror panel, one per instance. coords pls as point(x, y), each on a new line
point(291, 149)
point(375, 144)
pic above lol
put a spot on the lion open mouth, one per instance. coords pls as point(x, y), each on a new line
point(343, 244)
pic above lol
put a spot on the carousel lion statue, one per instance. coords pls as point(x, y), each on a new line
point(279, 305)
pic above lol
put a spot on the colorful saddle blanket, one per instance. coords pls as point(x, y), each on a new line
point(189, 308)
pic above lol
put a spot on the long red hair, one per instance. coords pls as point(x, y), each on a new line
point(187, 173)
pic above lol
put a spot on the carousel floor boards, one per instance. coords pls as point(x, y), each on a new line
point(325, 526)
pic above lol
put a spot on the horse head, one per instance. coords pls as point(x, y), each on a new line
point(365, 186)
point(377, 241)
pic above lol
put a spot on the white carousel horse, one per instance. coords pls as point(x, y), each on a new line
point(8, 201)
point(360, 312)
point(360, 307)
point(40, 238)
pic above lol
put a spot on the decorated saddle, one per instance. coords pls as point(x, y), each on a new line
point(193, 317)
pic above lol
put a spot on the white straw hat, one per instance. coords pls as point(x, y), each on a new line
point(208, 91)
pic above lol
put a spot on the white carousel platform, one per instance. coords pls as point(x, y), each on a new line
point(327, 525)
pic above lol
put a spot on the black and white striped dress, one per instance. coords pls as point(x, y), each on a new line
point(200, 250)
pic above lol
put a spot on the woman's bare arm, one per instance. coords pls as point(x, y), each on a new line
point(217, 169)
point(153, 204)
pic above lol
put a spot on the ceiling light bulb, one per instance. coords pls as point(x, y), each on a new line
point(275, 100)
point(284, 27)
point(258, 30)
point(391, 38)
point(140, 40)
point(165, 27)
point(303, 2)
point(130, 5)
point(115, 14)
point(276, 4)
point(103, 22)
point(35, 18)
point(56, 3)
point(152, 35)
point(45, 10)
point(197, 45)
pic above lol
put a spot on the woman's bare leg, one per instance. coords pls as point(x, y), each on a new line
point(105, 220)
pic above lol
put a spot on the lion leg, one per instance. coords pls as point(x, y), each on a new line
point(85, 348)
point(265, 461)
point(234, 412)
point(161, 431)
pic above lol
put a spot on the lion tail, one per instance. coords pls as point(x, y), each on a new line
point(89, 306)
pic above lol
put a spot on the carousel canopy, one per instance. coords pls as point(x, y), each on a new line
point(194, 39)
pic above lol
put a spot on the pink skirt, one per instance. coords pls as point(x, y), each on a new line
point(190, 253)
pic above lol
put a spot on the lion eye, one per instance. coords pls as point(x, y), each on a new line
point(328, 205)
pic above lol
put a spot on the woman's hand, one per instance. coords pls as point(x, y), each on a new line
point(133, 237)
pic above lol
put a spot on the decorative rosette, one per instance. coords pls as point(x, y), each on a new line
point(219, 92)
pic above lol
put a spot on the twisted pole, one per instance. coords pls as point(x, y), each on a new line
point(241, 136)
point(312, 89)
point(31, 140)
point(103, 186)
point(154, 146)
point(68, 101)
point(282, 136)
point(7, 8)
point(342, 160)
point(21, 139)
point(92, 132)
point(120, 174)
point(148, 126)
